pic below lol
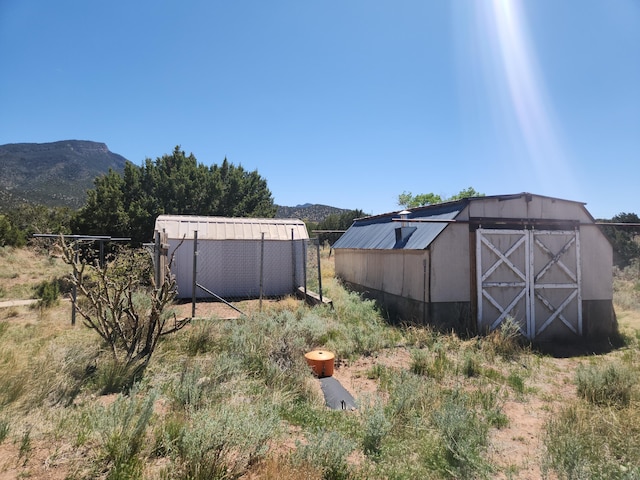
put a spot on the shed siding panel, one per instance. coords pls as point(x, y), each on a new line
point(597, 261)
point(538, 208)
point(450, 265)
point(396, 272)
point(392, 272)
point(414, 275)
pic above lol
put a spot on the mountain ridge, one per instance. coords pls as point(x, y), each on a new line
point(58, 174)
point(54, 174)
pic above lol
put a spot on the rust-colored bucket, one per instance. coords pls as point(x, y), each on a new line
point(321, 362)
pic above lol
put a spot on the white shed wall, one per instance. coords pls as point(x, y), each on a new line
point(597, 261)
point(537, 208)
point(399, 272)
point(450, 269)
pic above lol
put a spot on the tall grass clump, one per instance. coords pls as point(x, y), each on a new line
point(411, 399)
point(588, 441)
point(464, 436)
point(223, 441)
point(113, 376)
point(375, 427)
point(4, 429)
point(14, 380)
point(626, 286)
point(61, 371)
point(326, 451)
point(610, 384)
point(506, 341)
point(121, 428)
point(200, 384)
point(363, 328)
point(200, 337)
point(435, 365)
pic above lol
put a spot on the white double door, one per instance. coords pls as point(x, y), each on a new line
point(530, 276)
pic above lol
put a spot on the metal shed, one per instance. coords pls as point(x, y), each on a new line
point(236, 257)
point(472, 263)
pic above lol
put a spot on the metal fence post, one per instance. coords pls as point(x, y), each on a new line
point(75, 288)
point(293, 262)
point(319, 270)
point(195, 273)
point(261, 270)
point(305, 244)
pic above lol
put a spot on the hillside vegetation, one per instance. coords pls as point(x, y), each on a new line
point(234, 398)
point(56, 174)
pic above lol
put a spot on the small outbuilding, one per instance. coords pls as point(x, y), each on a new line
point(471, 264)
point(235, 257)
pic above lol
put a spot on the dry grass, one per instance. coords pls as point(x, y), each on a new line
point(471, 408)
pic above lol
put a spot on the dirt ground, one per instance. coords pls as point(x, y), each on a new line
point(516, 448)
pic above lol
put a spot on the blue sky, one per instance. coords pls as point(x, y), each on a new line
point(342, 102)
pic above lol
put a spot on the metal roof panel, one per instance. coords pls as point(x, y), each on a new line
point(379, 232)
point(231, 228)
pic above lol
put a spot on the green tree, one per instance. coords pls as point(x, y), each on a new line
point(624, 239)
point(20, 223)
point(127, 205)
point(408, 200)
point(337, 222)
point(10, 236)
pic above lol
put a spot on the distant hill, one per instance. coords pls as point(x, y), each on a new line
point(60, 173)
point(308, 212)
point(53, 174)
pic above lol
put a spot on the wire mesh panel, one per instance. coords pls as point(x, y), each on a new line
point(235, 269)
point(313, 272)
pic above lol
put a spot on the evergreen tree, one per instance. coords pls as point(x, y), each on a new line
point(175, 184)
point(337, 223)
point(624, 240)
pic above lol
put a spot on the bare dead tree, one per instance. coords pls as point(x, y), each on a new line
point(129, 314)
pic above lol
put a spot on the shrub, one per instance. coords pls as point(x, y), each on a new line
point(471, 365)
point(376, 426)
point(507, 340)
point(464, 437)
point(48, 293)
point(114, 376)
point(605, 385)
point(122, 430)
point(328, 452)
point(436, 367)
point(587, 441)
point(224, 441)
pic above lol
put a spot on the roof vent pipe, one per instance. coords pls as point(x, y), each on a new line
point(404, 215)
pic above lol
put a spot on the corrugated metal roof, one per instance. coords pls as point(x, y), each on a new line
point(379, 232)
point(227, 228)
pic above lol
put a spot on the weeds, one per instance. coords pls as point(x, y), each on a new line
point(4, 429)
point(114, 376)
point(223, 442)
point(200, 338)
point(327, 452)
point(376, 427)
point(507, 340)
point(24, 451)
point(587, 441)
point(464, 437)
point(609, 384)
point(228, 391)
point(435, 366)
point(48, 293)
point(122, 429)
